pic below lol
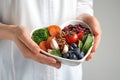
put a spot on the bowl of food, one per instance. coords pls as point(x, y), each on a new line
point(69, 43)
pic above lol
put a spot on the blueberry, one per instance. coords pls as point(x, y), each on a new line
point(76, 51)
point(73, 56)
point(80, 55)
point(70, 55)
point(74, 45)
point(66, 55)
point(71, 48)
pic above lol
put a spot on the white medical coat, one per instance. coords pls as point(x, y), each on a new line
point(32, 14)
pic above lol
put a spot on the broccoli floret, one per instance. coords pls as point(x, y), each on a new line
point(40, 35)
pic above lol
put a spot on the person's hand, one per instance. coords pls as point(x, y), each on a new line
point(30, 49)
point(95, 26)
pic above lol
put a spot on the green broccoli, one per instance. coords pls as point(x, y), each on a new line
point(40, 35)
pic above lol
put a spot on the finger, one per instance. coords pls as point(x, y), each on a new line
point(95, 26)
point(90, 56)
point(96, 43)
point(25, 50)
point(45, 59)
point(57, 64)
point(25, 38)
point(28, 54)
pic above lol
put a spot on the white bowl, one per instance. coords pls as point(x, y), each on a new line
point(64, 60)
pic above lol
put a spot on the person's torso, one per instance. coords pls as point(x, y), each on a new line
point(32, 14)
point(38, 12)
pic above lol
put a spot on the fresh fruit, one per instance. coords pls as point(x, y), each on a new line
point(71, 37)
point(73, 45)
point(76, 51)
point(65, 55)
point(70, 48)
point(72, 56)
point(53, 30)
point(88, 43)
point(81, 55)
point(48, 41)
point(80, 35)
point(42, 45)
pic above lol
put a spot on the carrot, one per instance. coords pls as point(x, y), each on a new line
point(48, 42)
point(42, 45)
point(53, 30)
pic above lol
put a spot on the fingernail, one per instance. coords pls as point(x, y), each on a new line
point(58, 66)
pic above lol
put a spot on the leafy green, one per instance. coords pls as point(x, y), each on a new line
point(87, 43)
point(40, 35)
point(84, 38)
point(56, 52)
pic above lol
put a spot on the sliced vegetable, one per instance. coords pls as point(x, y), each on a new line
point(53, 30)
point(42, 45)
point(48, 41)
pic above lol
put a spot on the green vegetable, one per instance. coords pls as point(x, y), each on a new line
point(56, 52)
point(84, 39)
point(80, 44)
point(88, 43)
point(40, 35)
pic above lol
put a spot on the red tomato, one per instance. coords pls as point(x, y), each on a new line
point(72, 37)
point(80, 35)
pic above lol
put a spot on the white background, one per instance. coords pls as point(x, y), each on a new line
point(105, 64)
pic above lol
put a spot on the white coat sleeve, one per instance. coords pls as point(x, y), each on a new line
point(84, 6)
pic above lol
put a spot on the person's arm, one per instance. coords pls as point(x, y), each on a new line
point(95, 26)
point(21, 36)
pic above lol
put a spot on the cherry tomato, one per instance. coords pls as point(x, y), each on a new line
point(80, 35)
point(72, 37)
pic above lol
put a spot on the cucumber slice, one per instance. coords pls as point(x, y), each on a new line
point(88, 43)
